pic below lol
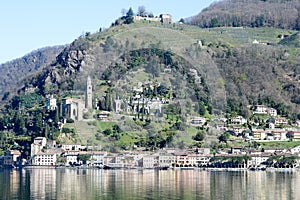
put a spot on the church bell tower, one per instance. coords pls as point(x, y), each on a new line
point(89, 94)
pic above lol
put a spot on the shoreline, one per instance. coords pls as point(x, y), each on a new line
point(159, 169)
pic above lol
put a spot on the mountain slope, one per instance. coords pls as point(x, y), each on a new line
point(183, 71)
point(233, 68)
point(251, 13)
point(13, 73)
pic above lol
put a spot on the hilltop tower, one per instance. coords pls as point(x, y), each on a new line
point(89, 94)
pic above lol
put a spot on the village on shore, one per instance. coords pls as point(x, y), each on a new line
point(46, 152)
point(268, 126)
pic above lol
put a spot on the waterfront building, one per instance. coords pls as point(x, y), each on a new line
point(11, 157)
point(97, 157)
point(44, 159)
point(71, 158)
point(148, 162)
point(257, 160)
point(166, 160)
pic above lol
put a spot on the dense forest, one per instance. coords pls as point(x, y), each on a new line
point(251, 13)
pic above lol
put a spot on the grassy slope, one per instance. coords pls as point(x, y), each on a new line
point(182, 35)
point(289, 144)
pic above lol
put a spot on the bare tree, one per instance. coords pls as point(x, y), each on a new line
point(142, 11)
point(124, 11)
point(253, 13)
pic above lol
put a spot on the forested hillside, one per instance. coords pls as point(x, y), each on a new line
point(13, 73)
point(237, 72)
point(251, 13)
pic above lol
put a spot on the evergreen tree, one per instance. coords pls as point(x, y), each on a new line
point(56, 119)
point(129, 16)
point(199, 136)
point(130, 13)
point(19, 124)
point(202, 109)
point(39, 122)
point(108, 102)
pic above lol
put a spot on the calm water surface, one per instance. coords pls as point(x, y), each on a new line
point(147, 184)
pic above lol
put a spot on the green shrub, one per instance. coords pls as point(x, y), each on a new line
point(69, 120)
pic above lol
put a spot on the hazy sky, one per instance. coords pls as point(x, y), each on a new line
point(32, 24)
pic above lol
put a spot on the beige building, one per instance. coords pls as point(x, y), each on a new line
point(272, 112)
point(73, 108)
point(166, 160)
point(294, 134)
point(166, 18)
point(51, 104)
point(72, 147)
point(44, 159)
point(191, 160)
point(257, 160)
point(71, 157)
point(118, 105)
point(260, 109)
point(279, 134)
point(38, 144)
point(259, 134)
point(281, 121)
point(148, 162)
point(238, 120)
point(163, 18)
point(140, 18)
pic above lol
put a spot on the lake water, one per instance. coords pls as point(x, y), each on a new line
point(147, 184)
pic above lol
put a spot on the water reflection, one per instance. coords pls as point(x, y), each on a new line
point(146, 184)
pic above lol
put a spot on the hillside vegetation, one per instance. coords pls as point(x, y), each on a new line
point(236, 71)
point(14, 73)
point(251, 13)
